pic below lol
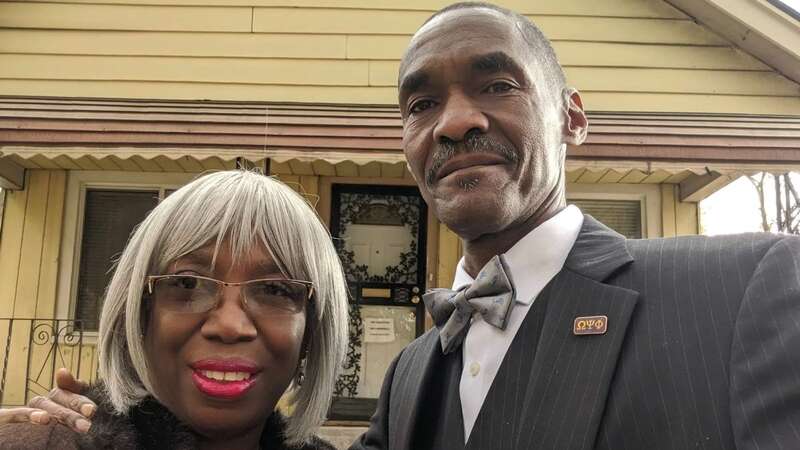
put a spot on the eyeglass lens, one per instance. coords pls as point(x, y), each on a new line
point(262, 297)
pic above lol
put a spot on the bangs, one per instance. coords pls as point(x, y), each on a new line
point(242, 210)
point(249, 215)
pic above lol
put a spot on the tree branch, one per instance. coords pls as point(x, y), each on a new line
point(759, 186)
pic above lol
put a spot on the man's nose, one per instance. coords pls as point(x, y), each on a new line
point(459, 116)
point(229, 322)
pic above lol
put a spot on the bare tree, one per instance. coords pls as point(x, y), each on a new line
point(787, 201)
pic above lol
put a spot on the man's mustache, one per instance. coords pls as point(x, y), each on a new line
point(473, 142)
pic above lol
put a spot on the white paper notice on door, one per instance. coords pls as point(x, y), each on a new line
point(378, 330)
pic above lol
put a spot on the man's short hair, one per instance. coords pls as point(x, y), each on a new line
point(539, 45)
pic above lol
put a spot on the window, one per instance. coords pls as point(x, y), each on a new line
point(110, 217)
point(622, 216)
point(633, 210)
point(102, 208)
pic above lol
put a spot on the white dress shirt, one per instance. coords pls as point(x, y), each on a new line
point(533, 262)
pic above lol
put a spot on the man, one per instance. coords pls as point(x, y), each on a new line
point(694, 339)
point(560, 333)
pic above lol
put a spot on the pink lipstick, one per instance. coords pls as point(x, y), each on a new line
point(224, 378)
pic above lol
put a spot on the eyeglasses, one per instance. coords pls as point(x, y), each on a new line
point(198, 294)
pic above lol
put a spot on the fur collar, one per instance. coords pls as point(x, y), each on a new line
point(151, 426)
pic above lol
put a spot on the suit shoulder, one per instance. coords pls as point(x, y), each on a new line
point(424, 341)
point(18, 436)
point(751, 245)
point(420, 346)
point(790, 240)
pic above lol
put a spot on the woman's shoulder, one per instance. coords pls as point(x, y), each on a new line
point(18, 436)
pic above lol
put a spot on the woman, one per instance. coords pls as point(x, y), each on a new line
point(228, 295)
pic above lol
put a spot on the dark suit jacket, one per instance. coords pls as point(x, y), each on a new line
point(702, 351)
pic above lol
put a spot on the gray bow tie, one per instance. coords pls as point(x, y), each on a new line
point(491, 294)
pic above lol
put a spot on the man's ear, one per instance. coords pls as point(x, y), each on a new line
point(576, 125)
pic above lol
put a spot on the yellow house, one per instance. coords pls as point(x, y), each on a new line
point(104, 108)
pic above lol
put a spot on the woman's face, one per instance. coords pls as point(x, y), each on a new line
point(223, 371)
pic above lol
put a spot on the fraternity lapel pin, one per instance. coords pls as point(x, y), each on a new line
point(586, 325)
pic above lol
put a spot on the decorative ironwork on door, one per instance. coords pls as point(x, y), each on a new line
point(380, 235)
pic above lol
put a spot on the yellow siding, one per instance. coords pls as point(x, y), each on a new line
point(678, 218)
point(620, 8)
point(30, 245)
point(136, 43)
point(83, 359)
point(11, 246)
point(624, 55)
point(205, 70)
point(124, 17)
point(305, 185)
point(29, 253)
point(450, 252)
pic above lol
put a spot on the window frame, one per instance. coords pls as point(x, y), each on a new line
point(649, 195)
point(78, 182)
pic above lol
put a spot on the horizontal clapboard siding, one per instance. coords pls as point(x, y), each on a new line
point(361, 73)
point(363, 47)
point(624, 55)
point(618, 8)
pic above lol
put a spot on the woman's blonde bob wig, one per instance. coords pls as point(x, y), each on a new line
point(244, 209)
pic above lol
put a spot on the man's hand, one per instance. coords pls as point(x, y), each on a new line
point(15, 415)
point(64, 403)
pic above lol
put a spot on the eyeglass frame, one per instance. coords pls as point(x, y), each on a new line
point(150, 281)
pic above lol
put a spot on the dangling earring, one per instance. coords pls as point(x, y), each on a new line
point(300, 376)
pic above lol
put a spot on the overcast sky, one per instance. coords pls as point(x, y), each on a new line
point(793, 3)
point(734, 208)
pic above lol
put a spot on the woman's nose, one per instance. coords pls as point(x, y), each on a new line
point(229, 322)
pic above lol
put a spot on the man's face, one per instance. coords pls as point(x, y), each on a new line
point(482, 129)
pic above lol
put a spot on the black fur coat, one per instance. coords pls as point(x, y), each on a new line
point(148, 426)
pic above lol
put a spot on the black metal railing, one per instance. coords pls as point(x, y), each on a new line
point(33, 349)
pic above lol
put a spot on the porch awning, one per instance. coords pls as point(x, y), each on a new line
point(350, 140)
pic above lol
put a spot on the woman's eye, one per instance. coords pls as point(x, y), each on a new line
point(272, 289)
point(499, 87)
point(420, 105)
point(186, 282)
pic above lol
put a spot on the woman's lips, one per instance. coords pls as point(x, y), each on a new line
point(224, 378)
point(224, 389)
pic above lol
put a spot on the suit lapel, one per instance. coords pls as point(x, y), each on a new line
point(571, 375)
point(409, 383)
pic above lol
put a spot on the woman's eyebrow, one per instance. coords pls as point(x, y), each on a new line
point(200, 257)
point(268, 267)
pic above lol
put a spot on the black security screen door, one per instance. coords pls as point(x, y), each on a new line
point(379, 233)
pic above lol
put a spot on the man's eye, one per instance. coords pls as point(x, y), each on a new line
point(499, 87)
point(420, 105)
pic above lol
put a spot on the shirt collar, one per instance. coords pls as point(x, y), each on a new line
point(538, 256)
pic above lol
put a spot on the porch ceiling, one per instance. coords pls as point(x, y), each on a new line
point(365, 141)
